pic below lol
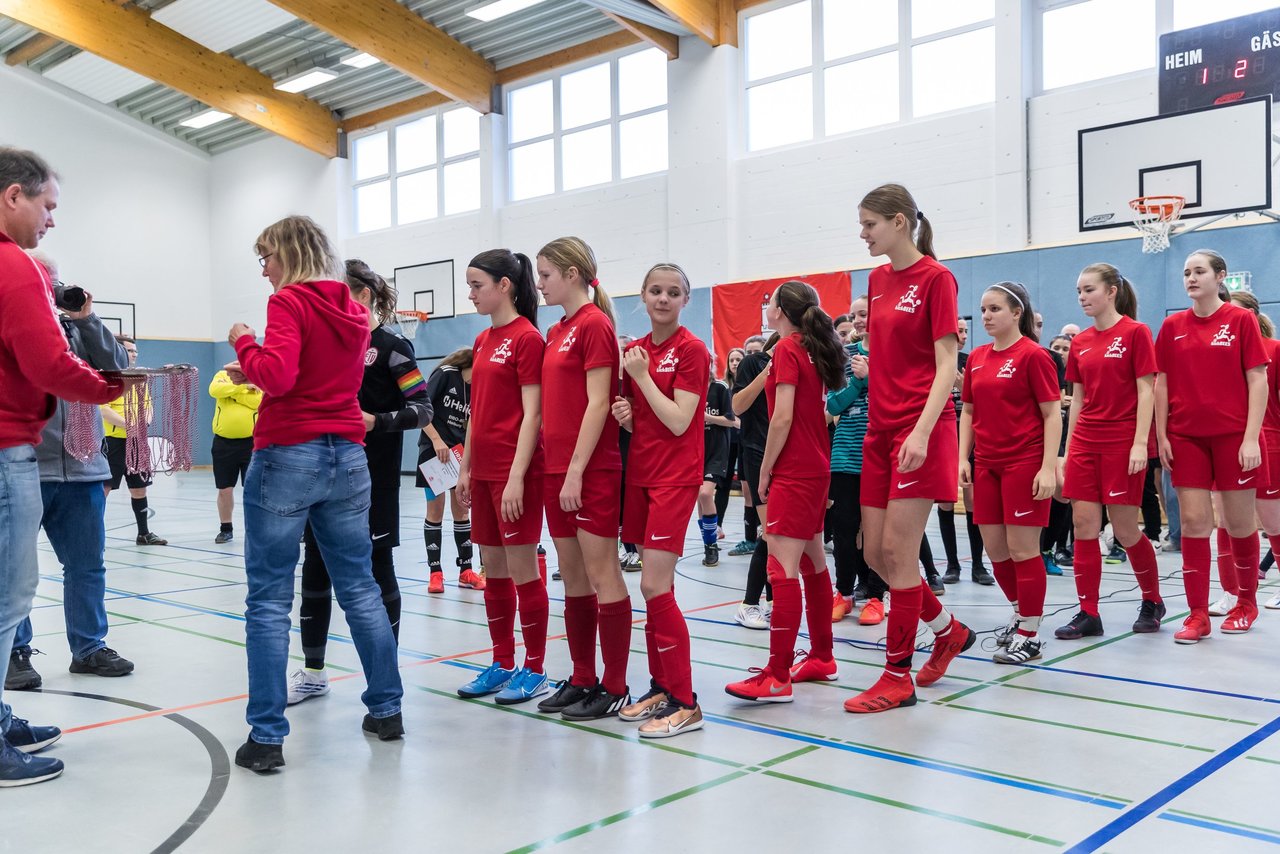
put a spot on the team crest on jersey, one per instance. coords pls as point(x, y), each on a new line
point(909, 302)
point(1115, 350)
point(502, 353)
point(668, 363)
point(569, 338)
point(370, 356)
point(1223, 337)
point(1007, 370)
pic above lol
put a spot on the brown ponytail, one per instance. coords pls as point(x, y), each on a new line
point(798, 302)
point(360, 276)
point(566, 253)
point(889, 200)
point(1126, 295)
point(1016, 297)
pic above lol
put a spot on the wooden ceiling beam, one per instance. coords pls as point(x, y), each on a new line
point(395, 111)
point(668, 43)
point(130, 38)
point(38, 45)
point(713, 21)
point(405, 42)
point(568, 56)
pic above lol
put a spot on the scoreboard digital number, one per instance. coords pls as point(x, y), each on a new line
point(1220, 62)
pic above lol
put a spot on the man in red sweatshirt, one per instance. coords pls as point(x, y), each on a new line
point(36, 365)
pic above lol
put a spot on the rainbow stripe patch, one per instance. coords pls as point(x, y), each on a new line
point(410, 383)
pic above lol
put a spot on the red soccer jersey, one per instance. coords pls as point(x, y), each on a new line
point(910, 310)
point(1271, 422)
point(1006, 389)
point(657, 456)
point(807, 452)
point(1204, 361)
point(505, 359)
point(1107, 364)
point(575, 345)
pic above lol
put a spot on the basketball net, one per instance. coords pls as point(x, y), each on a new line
point(409, 322)
point(1155, 217)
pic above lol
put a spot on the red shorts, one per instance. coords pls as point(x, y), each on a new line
point(487, 527)
point(936, 480)
point(1213, 462)
point(657, 517)
point(601, 497)
point(797, 506)
point(1102, 479)
point(1271, 459)
point(1002, 496)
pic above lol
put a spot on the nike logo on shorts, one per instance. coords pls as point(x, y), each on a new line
point(1246, 480)
point(1018, 515)
point(509, 536)
point(770, 524)
point(1114, 494)
point(656, 537)
point(905, 485)
point(582, 518)
point(1273, 492)
point(666, 648)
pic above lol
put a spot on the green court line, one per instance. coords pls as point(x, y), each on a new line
point(1224, 821)
point(1094, 730)
point(959, 819)
point(1173, 618)
point(1264, 759)
point(1130, 705)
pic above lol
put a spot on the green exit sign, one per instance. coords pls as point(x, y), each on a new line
point(1241, 281)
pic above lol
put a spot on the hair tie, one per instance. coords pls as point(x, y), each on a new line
point(595, 283)
point(1010, 293)
point(920, 215)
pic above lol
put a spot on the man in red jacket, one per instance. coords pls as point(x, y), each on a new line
point(36, 366)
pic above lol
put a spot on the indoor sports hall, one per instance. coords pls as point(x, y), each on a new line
point(702, 153)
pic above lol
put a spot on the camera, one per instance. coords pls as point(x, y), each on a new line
point(69, 297)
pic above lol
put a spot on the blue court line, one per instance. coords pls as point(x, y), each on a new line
point(922, 763)
point(1222, 828)
point(1138, 812)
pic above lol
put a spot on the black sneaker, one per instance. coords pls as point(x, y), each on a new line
point(151, 538)
point(1116, 555)
point(260, 758)
point(952, 575)
point(1082, 625)
point(224, 537)
point(860, 593)
point(1064, 557)
point(935, 584)
point(102, 662)
point(1149, 616)
point(711, 555)
point(22, 676)
point(565, 696)
point(598, 704)
point(389, 728)
point(1020, 650)
point(982, 575)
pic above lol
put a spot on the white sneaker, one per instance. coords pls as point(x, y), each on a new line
point(766, 611)
point(1273, 603)
point(1223, 606)
point(1169, 546)
point(751, 617)
point(305, 684)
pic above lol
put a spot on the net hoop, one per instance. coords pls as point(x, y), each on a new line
point(409, 321)
point(163, 370)
point(1155, 217)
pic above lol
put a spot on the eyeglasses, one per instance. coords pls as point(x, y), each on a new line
point(262, 260)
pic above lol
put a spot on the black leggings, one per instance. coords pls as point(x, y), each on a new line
point(1055, 535)
point(846, 511)
point(317, 598)
point(722, 489)
point(1151, 521)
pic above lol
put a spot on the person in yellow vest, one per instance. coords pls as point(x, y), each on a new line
point(233, 422)
point(114, 445)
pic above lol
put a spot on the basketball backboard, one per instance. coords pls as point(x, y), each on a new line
point(1218, 157)
point(427, 287)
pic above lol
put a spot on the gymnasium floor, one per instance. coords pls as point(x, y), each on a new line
point(1124, 744)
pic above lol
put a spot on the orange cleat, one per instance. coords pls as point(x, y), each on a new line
point(761, 687)
point(471, 578)
point(954, 640)
point(436, 584)
point(872, 613)
point(841, 607)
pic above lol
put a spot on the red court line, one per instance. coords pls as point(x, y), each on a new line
point(175, 709)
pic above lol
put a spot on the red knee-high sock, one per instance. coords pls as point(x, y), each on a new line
point(784, 625)
point(655, 660)
point(671, 634)
point(1142, 557)
point(1007, 578)
point(1227, 563)
point(1032, 584)
point(580, 625)
point(1088, 570)
point(500, 607)
point(817, 591)
point(903, 620)
point(1195, 571)
point(1245, 550)
point(615, 644)
point(533, 622)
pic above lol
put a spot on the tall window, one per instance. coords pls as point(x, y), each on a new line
point(818, 68)
point(593, 125)
point(417, 170)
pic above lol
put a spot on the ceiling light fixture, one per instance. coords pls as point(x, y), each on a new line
point(203, 120)
point(496, 9)
point(361, 60)
point(306, 80)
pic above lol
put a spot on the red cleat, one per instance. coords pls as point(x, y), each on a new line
point(436, 584)
point(471, 578)
point(810, 669)
point(891, 691)
point(1195, 627)
point(762, 688)
point(1241, 618)
point(956, 639)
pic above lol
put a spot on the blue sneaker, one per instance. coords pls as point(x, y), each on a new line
point(492, 679)
point(28, 738)
point(525, 685)
point(1050, 568)
point(20, 769)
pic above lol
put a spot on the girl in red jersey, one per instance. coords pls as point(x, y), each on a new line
point(909, 456)
point(501, 471)
point(1211, 393)
point(796, 477)
point(582, 488)
point(664, 393)
point(1112, 367)
point(1012, 421)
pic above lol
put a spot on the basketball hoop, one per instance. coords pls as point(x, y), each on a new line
point(1155, 217)
point(408, 322)
point(162, 406)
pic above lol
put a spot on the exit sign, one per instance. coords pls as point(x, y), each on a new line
point(1241, 281)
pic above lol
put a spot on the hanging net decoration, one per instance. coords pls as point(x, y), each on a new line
point(80, 435)
point(159, 419)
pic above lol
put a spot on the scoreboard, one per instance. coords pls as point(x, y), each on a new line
point(1220, 62)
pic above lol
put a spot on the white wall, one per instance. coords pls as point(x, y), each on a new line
point(133, 223)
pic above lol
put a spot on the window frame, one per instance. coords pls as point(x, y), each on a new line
point(1163, 23)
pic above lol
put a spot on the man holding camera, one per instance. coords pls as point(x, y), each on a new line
point(74, 502)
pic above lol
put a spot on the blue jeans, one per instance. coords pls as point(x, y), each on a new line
point(1171, 508)
point(325, 481)
point(20, 510)
point(73, 522)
